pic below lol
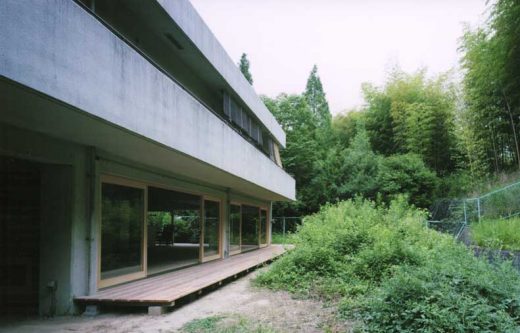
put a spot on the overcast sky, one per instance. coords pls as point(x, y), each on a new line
point(351, 41)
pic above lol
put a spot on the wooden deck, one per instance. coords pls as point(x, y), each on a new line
point(163, 290)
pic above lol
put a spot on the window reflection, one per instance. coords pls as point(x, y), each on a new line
point(211, 228)
point(263, 226)
point(121, 230)
point(234, 228)
point(173, 229)
point(250, 227)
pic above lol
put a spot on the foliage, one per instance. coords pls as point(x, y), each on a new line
point(344, 173)
point(224, 324)
point(328, 170)
point(346, 124)
point(315, 97)
point(279, 238)
point(457, 184)
point(407, 174)
point(243, 65)
point(413, 114)
point(497, 234)
point(491, 63)
point(386, 269)
point(302, 151)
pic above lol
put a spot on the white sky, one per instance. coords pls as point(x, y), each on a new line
point(351, 41)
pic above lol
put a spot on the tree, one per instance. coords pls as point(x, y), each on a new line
point(413, 114)
point(378, 120)
point(316, 100)
point(407, 174)
point(346, 124)
point(243, 64)
point(302, 150)
point(359, 168)
point(491, 63)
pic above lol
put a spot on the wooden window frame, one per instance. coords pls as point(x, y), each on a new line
point(267, 225)
point(234, 203)
point(121, 181)
point(203, 258)
point(144, 185)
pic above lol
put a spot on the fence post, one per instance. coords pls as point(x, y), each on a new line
point(465, 214)
point(478, 208)
point(283, 226)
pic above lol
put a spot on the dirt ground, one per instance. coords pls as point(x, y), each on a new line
point(278, 310)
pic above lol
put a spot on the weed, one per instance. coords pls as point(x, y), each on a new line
point(225, 324)
point(387, 271)
point(497, 234)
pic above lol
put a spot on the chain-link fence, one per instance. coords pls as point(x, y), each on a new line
point(283, 226)
point(452, 216)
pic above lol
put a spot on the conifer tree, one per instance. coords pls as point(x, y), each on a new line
point(316, 100)
point(243, 64)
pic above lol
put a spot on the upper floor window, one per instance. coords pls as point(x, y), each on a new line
point(241, 120)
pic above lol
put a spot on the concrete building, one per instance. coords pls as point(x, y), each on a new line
point(130, 145)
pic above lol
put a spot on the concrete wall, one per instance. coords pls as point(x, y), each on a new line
point(58, 49)
point(70, 206)
point(183, 13)
point(64, 241)
point(56, 225)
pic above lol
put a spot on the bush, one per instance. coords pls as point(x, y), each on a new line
point(391, 273)
point(407, 174)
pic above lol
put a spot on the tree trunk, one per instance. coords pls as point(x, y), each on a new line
point(494, 149)
point(513, 128)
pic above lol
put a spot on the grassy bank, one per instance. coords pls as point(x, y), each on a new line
point(386, 270)
point(497, 234)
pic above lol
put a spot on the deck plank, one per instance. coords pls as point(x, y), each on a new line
point(166, 288)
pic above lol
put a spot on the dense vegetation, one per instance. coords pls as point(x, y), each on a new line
point(391, 273)
point(491, 61)
point(400, 143)
point(425, 136)
point(497, 234)
point(418, 137)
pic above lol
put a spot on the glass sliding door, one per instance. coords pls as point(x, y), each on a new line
point(211, 230)
point(122, 231)
point(234, 228)
point(174, 229)
point(264, 228)
point(250, 227)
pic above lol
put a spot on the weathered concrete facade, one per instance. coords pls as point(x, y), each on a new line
point(78, 102)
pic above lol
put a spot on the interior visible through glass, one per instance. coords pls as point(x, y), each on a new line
point(211, 228)
point(122, 211)
point(250, 227)
point(174, 229)
point(234, 228)
point(263, 226)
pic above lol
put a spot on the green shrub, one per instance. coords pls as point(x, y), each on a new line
point(280, 238)
point(407, 174)
point(497, 234)
point(388, 271)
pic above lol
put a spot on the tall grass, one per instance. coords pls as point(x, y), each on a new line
point(497, 234)
point(279, 238)
point(388, 272)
